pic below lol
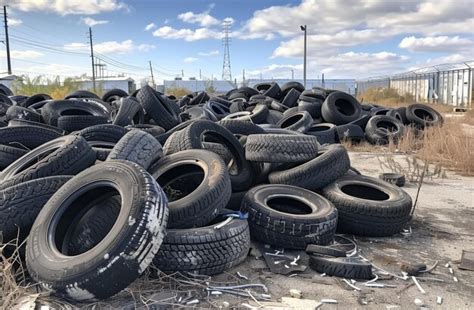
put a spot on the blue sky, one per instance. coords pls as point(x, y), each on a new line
point(346, 39)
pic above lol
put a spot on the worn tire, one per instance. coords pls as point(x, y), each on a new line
point(381, 129)
point(340, 108)
point(204, 250)
point(54, 109)
point(300, 217)
point(18, 112)
point(325, 133)
point(139, 147)
point(331, 163)
point(368, 206)
point(192, 137)
point(130, 112)
point(21, 203)
point(27, 137)
point(72, 123)
point(344, 267)
point(238, 127)
point(121, 257)
point(66, 155)
point(298, 121)
point(423, 116)
point(157, 108)
point(273, 148)
point(8, 154)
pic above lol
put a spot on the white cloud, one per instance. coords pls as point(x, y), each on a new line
point(14, 22)
point(27, 54)
point(211, 53)
point(190, 59)
point(436, 44)
point(108, 47)
point(203, 19)
point(93, 22)
point(168, 32)
point(146, 47)
point(150, 26)
point(62, 7)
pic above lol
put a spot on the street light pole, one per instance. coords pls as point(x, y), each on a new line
point(304, 28)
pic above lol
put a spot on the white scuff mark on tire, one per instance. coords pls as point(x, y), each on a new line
point(131, 221)
point(106, 256)
point(110, 263)
point(77, 293)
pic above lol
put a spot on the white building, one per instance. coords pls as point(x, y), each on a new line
point(121, 82)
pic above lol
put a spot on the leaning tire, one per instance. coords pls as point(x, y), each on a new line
point(289, 217)
point(197, 184)
point(273, 148)
point(298, 121)
point(130, 112)
point(423, 116)
point(381, 129)
point(121, 257)
point(139, 147)
point(8, 154)
point(331, 163)
point(340, 108)
point(223, 248)
point(157, 108)
point(368, 206)
point(66, 155)
point(21, 203)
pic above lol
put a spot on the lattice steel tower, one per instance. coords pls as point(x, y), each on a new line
point(226, 73)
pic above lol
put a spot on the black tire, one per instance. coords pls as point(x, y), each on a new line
point(157, 108)
point(35, 99)
point(402, 111)
point(344, 267)
point(113, 95)
point(314, 93)
point(22, 122)
point(236, 200)
point(369, 206)
point(200, 98)
point(273, 148)
point(197, 184)
point(8, 154)
point(290, 111)
point(397, 179)
point(121, 257)
point(82, 94)
point(103, 133)
point(291, 98)
point(204, 250)
point(350, 132)
point(66, 155)
point(18, 112)
point(285, 88)
point(331, 163)
point(193, 136)
point(277, 106)
point(154, 130)
point(197, 112)
point(324, 132)
point(313, 108)
point(423, 116)
point(362, 121)
point(238, 127)
point(340, 108)
point(237, 106)
point(4, 90)
point(381, 129)
point(54, 109)
point(27, 137)
point(130, 112)
point(139, 147)
point(18, 99)
point(20, 204)
point(289, 217)
point(299, 121)
point(72, 123)
point(324, 250)
point(273, 117)
point(274, 91)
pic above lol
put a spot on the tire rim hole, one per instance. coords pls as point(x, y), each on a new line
point(289, 205)
point(344, 107)
point(424, 115)
point(231, 162)
point(291, 120)
point(389, 126)
point(74, 112)
point(178, 182)
point(364, 192)
point(69, 234)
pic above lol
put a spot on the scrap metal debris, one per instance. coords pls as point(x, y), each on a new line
point(467, 260)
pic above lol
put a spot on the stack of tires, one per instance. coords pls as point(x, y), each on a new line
point(102, 188)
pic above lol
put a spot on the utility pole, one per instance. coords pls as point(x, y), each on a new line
point(182, 73)
point(200, 76)
point(7, 41)
point(92, 58)
point(152, 77)
point(292, 74)
point(304, 28)
point(243, 76)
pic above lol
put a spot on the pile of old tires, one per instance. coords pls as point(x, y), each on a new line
point(102, 188)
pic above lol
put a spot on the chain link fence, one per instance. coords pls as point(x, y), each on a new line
point(450, 84)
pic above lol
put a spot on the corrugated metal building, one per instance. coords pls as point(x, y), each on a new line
point(451, 84)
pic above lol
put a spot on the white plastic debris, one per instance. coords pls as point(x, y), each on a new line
point(328, 301)
point(419, 302)
point(295, 293)
point(439, 300)
point(418, 285)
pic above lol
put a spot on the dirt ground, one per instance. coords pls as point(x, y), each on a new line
point(443, 226)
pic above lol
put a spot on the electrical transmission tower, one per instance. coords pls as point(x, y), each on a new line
point(226, 73)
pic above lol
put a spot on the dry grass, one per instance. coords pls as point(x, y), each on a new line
point(449, 146)
point(177, 91)
point(388, 97)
